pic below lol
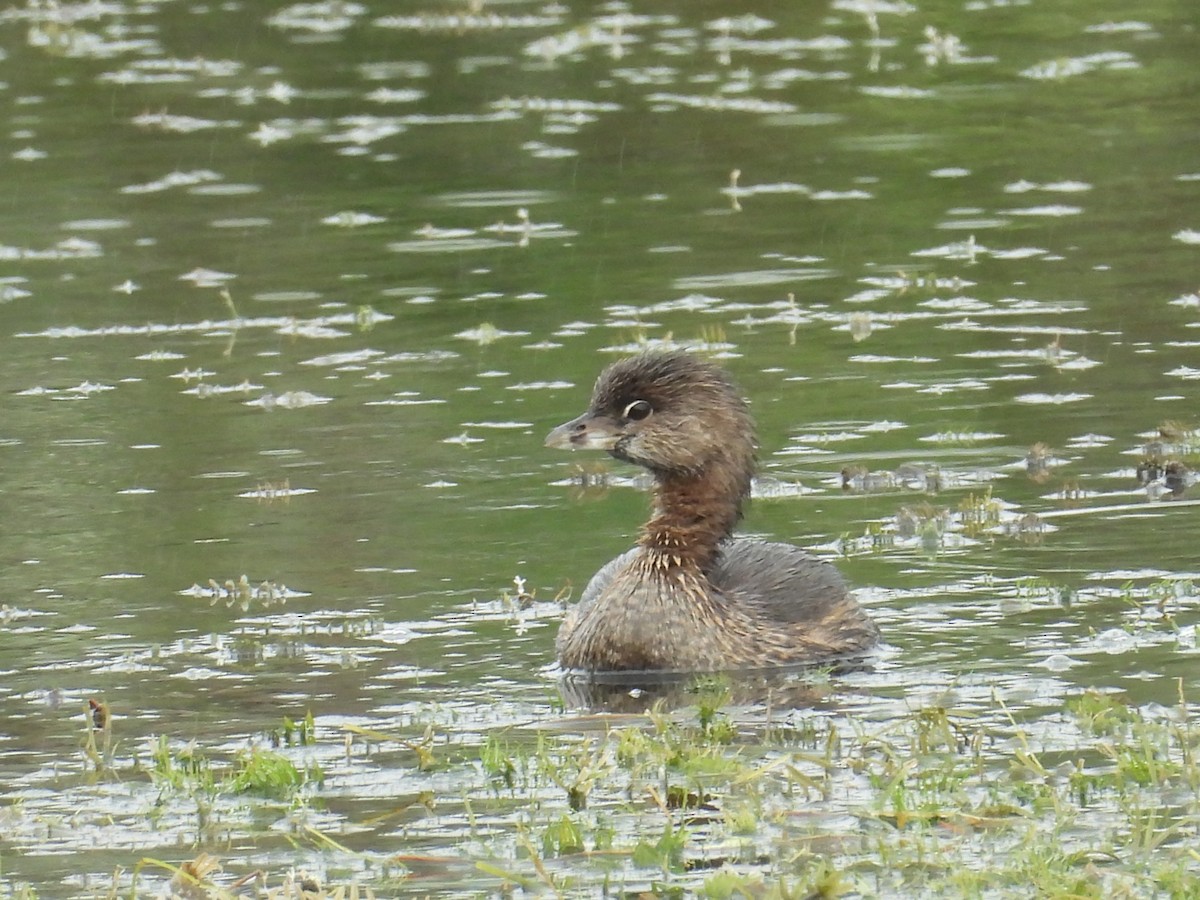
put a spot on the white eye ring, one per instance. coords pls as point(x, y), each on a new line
point(637, 410)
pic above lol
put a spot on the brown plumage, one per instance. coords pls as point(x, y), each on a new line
point(690, 597)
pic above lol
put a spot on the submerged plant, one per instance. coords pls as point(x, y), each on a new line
point(294, 734)
point(941, 800)
point(98, 743)
point(575, 769)
point(271, 774)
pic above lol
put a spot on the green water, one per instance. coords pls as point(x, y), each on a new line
point(434, 226)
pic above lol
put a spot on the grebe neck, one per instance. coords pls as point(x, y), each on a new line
point(694, 513)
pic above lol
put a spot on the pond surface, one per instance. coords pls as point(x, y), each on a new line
point(291, 294)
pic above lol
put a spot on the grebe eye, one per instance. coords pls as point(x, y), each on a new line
point(638, 410)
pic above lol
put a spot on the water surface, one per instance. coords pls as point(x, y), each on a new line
point(294, 292)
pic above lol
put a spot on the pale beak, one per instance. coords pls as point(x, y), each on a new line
point(586, 432)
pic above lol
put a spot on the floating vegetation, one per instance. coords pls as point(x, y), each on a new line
point(1170, 438)
point(540, 386)
point(173, 180)
point(10, 292)
point(609, 34)
point(1040, 462)
point(897, 92)
point(268, 492)
point(663, 102)
point(1051, 399)
point(447, 240)
point(706, 804)
point(289, 400)
point(907, 476)
point(363, 130)
point(1069, 67)
point(327, 17)
point(177, 124)
point(525, 228)
point(749, 278)
point(351, 219)
point(243, 594)
point(965, 438)
point(466, 22)
point(66, 249)
point(543, 105)
point(520, 597)
point(1063, 187)
point(1058, 210)
point(81, 391)
point(1161, 477)
point(349, 360)
point(172, 71)
point(933, 529)
point(786, 48)
point(206, 391)
point(487, 333)
point(406, 398)
point(315, 327)
point(776, 190)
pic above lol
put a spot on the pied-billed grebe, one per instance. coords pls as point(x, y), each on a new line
point(689, 597)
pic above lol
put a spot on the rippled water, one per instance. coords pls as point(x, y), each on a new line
point(293, 294)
